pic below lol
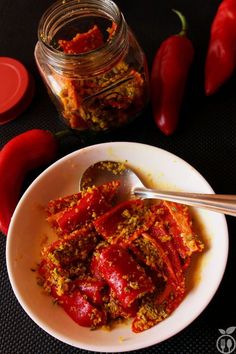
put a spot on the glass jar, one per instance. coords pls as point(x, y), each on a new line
point(92, 65)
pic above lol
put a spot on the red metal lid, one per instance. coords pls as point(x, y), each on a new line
point(16, 89)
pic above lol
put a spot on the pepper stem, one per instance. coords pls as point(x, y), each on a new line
point(63, 133)
point(183, 23)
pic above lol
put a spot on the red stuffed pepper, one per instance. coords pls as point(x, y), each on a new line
point(124, 275)
point(81, 310)
point(93, 203)
point(125, 222)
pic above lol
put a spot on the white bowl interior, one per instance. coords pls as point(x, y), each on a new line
point(29, 230)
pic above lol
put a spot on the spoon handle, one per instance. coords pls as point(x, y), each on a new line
point(221, 203)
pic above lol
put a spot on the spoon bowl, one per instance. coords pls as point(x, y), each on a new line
point(107, 171)
point(130, 186)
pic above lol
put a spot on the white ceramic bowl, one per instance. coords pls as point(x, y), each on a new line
point(28, 229)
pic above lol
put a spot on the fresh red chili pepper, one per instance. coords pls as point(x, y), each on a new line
point(21, 154)
point(221, 54)
point(168, 78)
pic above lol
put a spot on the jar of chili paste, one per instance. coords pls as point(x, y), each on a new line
point(92, 64)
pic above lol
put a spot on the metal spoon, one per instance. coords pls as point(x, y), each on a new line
point(105, 171)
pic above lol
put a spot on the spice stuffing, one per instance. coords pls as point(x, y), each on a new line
point(124, 261)
point(102, 101)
